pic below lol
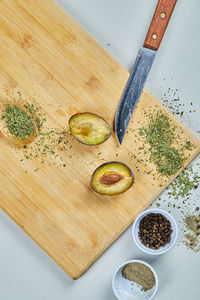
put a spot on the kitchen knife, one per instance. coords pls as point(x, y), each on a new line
point(142, 65)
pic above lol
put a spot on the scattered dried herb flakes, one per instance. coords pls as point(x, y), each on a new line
point(192, 232)
point(36, 114)
point(160, 134)
point(172, 101)
point(178, 194)
point(184, 184)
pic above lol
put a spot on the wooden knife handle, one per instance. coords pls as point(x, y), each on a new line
point(159, 23)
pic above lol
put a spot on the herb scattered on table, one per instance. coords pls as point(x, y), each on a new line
point(184, 184)
point(192, 235)
point(140, 274)
point(172, 101)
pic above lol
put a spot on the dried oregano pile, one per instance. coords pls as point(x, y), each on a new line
point(18, 122)
point(164, 153)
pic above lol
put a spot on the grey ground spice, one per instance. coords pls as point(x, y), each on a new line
point(192, 235)
point(140, 274)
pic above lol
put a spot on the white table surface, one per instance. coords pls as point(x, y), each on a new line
point(26, 272)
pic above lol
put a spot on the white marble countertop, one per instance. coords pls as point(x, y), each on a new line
point(26, 272)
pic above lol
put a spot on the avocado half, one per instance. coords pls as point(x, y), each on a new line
point(89, 128)
point(112, 178)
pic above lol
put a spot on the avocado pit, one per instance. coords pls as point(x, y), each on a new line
point(110, 178)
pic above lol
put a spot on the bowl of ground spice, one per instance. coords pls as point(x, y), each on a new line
point(155, 231)
point(135, 279)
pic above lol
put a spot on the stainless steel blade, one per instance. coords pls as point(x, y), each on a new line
point(133, 90)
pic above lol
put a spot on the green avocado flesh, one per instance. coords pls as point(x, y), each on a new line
point(89, 128)
point(112, 178)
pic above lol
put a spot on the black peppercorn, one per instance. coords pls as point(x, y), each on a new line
point(155, 231)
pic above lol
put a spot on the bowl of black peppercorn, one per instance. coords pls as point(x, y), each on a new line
point(155, 231)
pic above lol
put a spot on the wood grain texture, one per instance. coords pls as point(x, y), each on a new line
point(52, 62)
point(159, 23)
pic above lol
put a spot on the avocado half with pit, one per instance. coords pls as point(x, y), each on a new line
point(89, 128)
point(112, 178)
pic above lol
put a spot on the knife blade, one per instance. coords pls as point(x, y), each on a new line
point(142, 66)
point(133, 90)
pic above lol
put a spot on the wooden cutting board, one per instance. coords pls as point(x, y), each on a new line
point(47, 59)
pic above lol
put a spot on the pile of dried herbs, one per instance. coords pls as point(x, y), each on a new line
point(18, 122)
point(160, 135)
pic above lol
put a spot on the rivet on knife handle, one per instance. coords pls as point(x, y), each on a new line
point(159, 23)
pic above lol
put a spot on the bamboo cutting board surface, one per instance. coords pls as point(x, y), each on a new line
point(47, 58)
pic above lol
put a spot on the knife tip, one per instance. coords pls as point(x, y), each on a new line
point(120, 139)
point(118, 132)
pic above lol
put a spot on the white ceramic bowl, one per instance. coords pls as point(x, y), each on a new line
point(135, 230)
point(126, 290)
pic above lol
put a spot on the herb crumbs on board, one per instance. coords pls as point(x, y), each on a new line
point(49, 142)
